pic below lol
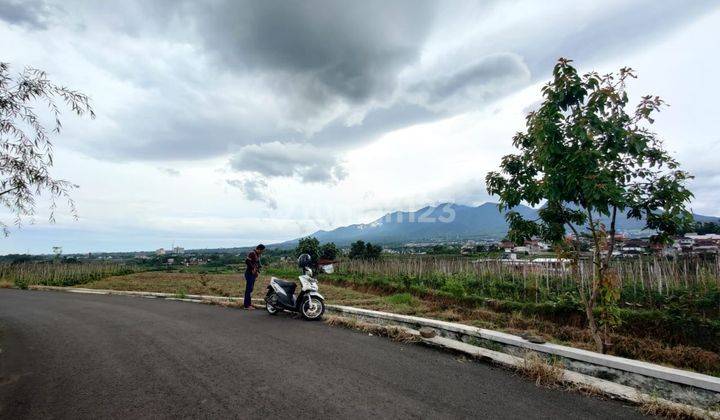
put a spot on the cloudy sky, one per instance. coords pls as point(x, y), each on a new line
point(226, 123)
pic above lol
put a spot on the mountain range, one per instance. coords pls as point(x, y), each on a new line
point(447, 222)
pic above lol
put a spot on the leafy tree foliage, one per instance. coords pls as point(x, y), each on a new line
point(703, 228)
point(26, 153)
point(364, 251)
point(372, 252)
point(328, 251)
point(584, 155)
point(357, 250)
point(309, 245)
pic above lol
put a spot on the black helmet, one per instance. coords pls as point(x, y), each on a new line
point(304, 261)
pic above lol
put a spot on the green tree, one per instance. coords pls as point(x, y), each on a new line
point(26, 153)
point(357, 250)
point(585, 156)
point(309, 245)
point(328, 251)
point(372, 252)
point(364, 251)
point(703, 228)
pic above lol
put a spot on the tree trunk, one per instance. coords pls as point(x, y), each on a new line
point(592, 325)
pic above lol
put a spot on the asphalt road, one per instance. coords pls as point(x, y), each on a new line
point(94, 356)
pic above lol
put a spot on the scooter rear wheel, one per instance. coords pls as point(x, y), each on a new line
point(312, 308)
point(271, 297)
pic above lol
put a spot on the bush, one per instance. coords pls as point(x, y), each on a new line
point(454, 287)
point(22, 282)
point(401, 299)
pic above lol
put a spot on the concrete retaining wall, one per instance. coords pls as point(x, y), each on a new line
point(668, 383)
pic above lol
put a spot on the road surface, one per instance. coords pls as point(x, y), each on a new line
point(94, 356)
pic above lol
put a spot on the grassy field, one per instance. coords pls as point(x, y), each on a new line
point(228, 285)
point(50, 273)
point(653, 344)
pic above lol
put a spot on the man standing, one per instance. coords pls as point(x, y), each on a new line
point(252, 269)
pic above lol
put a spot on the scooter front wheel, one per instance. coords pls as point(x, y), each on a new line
point(312, 308)
point(269, 299)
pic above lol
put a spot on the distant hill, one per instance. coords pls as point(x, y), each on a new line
point(432, 224)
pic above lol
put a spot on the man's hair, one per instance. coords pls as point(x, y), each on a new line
point(260, 247)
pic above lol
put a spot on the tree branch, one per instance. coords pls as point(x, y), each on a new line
point(611, 246)
point(7, 191)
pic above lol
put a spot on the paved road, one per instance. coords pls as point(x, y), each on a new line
point(89, 356)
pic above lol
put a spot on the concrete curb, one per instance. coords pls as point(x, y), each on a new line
point(607, 388)
point(698, 380)
point(453, 336)
point(671, 384)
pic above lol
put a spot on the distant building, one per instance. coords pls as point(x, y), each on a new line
point(529, 247)
point(468, 248)
point(634, 247)
point(710, 236)
point(535, 245)
point(178, 250)
point(507, 246)
point(160, 251)
point(685, 244)
point(692, 243)
point(706, 246)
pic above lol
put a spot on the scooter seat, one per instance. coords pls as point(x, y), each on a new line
point(284, 284)
point(287, 285)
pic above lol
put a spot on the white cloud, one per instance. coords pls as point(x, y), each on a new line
point(254, 190)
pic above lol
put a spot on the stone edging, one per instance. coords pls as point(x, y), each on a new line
point(694, 379)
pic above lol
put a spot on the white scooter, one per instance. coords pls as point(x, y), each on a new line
point(281, 294)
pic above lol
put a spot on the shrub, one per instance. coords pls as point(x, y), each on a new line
point(401, 299)
point(454, 287)
point(22, 282)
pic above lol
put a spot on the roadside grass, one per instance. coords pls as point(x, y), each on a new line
point(568, 332)
point(545, 373)
point(402, 299)
point(657, 408)
point(392, 332)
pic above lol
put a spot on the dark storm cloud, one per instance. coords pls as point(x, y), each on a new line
point(30, 13)
point(491, 76)
point(315, 66)
point(321, 49)
point(277, 159)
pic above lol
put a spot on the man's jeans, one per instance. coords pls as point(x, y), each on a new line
point(249, 284)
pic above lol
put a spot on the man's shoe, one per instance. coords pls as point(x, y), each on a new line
point(250, 308)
